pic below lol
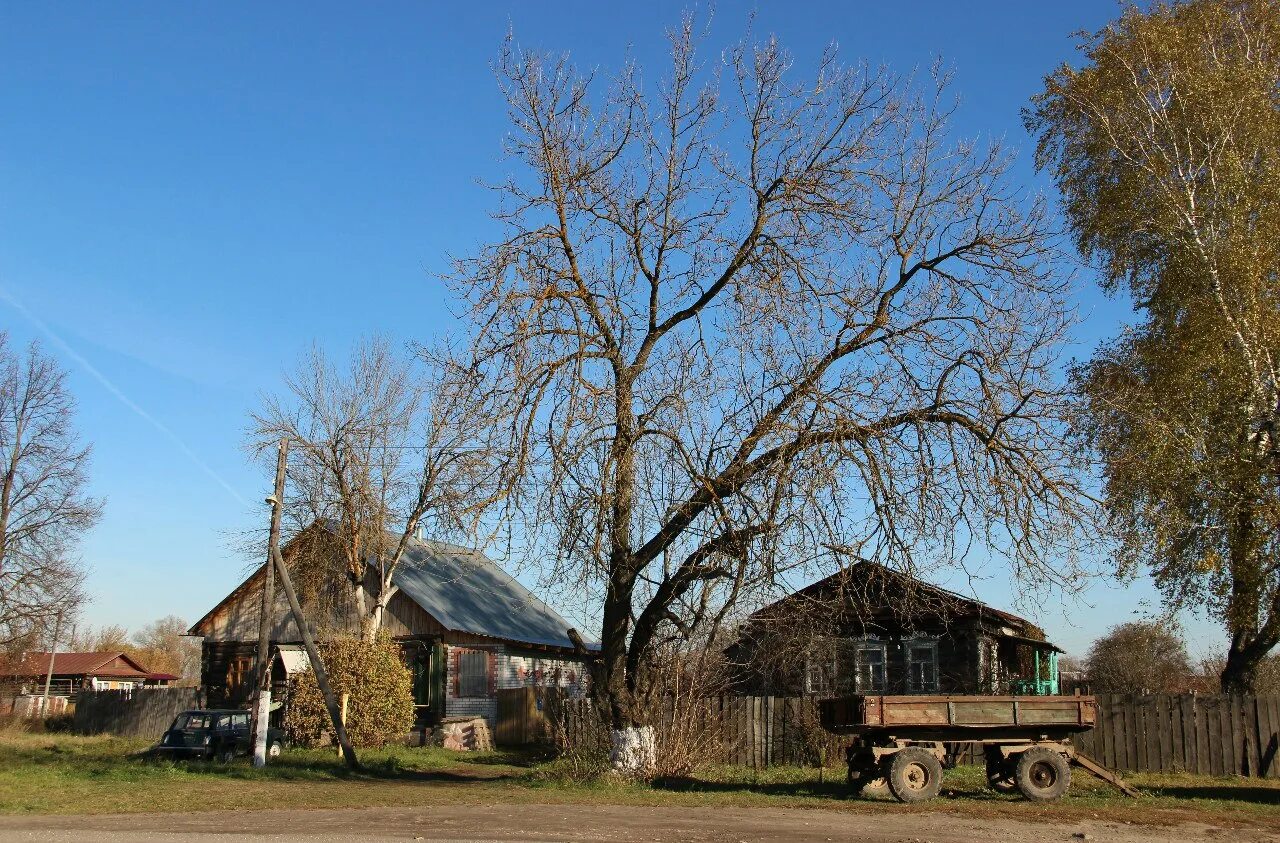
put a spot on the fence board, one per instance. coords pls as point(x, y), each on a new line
point(1177, 745)
point(145, 712)
point(1149, 755)
point(1199, 734)
point(1270, 739)
point(1164, 733)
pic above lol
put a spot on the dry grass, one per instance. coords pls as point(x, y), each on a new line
point(54, 773)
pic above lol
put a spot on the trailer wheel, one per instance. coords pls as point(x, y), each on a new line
point(1042, 774)
point(1000, 772)
point(866, 782)
point(915, 775)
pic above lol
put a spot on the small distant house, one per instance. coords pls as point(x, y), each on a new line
point(465, 627)
point(872, 630)
point(75, 672)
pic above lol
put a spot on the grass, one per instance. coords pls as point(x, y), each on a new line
point(57, 773)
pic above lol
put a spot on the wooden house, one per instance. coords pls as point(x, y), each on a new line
point(465, 627)
point(870, 629)
point(74, 672)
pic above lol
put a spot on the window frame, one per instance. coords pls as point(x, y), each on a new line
point(862, 647)
point(825, 647)
point(912, 645)
point(465, 684)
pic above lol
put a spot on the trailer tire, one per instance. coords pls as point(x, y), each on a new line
point(1042, 774)
point(866, 782)
point(915, 775)
point(1000, 772)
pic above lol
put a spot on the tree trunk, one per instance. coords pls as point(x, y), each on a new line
point(1246, 652)
point(612, 688)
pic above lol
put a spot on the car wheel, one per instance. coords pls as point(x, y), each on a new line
point(274, 749)
point(226, 756)
point(1042, 774)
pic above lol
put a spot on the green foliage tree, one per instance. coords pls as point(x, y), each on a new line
point(1139, 657)
point(1166, 148)
point(380, 707)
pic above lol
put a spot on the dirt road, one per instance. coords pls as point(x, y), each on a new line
point(586, 824)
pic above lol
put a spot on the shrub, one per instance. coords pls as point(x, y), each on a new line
point(380, 707)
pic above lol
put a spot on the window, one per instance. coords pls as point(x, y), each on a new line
point(820, 668)
point(869, 663)
point(191, 721)
point(240, 721)
point(922, 667)
point(473, 673)
point(845, 667)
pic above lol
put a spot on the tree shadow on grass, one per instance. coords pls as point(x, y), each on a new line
point(1257, 795)
point(689, 784)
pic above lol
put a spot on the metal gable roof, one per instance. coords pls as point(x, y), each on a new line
point(81, 664)
point(466, 592)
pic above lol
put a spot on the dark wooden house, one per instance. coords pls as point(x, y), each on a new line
point(465, 627)
point(870, 629)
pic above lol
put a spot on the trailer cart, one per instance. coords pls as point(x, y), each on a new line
point(901, 741)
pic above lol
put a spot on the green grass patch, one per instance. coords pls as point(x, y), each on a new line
point(58, 773)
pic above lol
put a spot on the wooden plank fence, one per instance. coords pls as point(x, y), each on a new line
point(1210, 735)
point(140, 713)
point(1170, 733)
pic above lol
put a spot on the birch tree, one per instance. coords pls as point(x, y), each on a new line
point(1166, 147)
point(379, 447)
point(744, 320)
point(44, 505)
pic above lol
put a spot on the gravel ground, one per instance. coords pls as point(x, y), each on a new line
point(583, 823)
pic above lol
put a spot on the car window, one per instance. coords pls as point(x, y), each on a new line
point(240, 721)
point(191, 721)
point(221, 722)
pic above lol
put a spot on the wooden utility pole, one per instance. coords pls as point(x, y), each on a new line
point(322, 678)
point(48, 677)
point(262, 669)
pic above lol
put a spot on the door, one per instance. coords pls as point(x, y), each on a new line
point(426, 663)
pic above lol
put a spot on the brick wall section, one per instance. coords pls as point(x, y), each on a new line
point(511, 669)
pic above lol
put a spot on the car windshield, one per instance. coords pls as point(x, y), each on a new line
point(192, 720)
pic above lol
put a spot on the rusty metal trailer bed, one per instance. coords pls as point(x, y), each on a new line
point(900, 742)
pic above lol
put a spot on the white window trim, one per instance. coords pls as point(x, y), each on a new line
point(921, 644)
point(870, 644)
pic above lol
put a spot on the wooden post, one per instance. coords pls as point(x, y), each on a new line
point(317, 666)
point(262, 668)
point(48, 677)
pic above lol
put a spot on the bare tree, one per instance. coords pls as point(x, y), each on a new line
point(743, 322)
point(44, 509)
point(378, 448)
point(163, 646)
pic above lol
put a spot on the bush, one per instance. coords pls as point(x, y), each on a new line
point(380, 708)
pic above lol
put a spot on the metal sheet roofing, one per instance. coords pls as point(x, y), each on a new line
point(465, 591)
point(86, 664)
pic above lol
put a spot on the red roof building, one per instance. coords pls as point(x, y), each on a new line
point(73, 672)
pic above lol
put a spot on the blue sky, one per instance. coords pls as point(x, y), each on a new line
point(190, 194)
